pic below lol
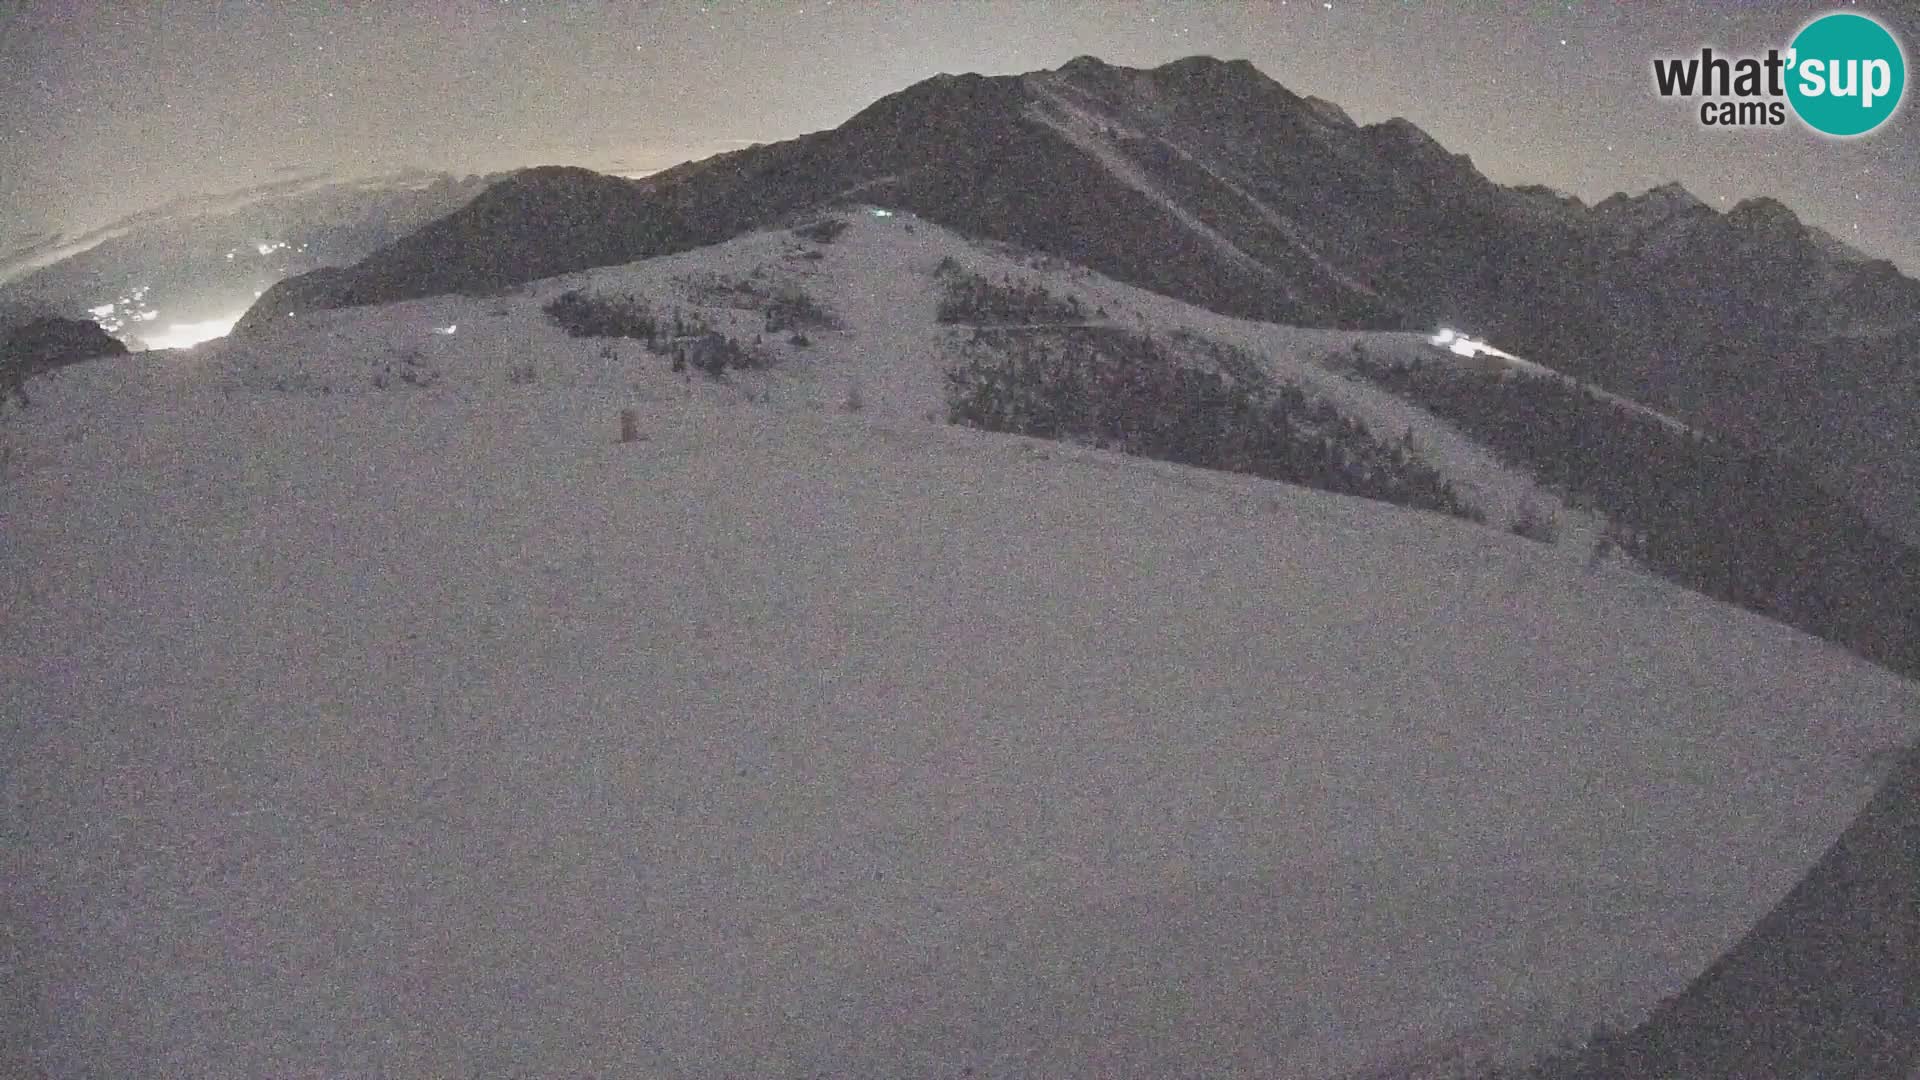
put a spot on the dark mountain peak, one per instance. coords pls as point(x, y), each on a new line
point(1764, 213)
point(1218, 96)
point(944, 103)
point(1211, 75)
point(55, 338)
point(1328, 111)
point(548, 184)
point(536, 223)
point(1403, 141)
point(1553, 195)
point(1085, 65)
point(1542, 203)
point(1673, 192)
point(1404, 132)
point(1200, 63)
point(555, 178)
point(1670, 197)
point(1196, 79)
point(950, 79)
point(536, 173)
point(51, 342)
point(1669, 203)
point(545, 197)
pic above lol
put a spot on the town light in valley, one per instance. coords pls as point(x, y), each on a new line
point(187, 335)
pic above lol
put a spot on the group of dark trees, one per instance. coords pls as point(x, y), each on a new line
point(1732, 522)
point(793, 310)
point(823, 231)
point(688, 342)
point(970, 298)
point(1124, 391)
point(585, 315)
point(785, 307)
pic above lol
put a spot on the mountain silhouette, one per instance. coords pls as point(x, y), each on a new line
point(1208, 181)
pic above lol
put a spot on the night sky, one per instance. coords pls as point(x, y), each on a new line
point(114, 107)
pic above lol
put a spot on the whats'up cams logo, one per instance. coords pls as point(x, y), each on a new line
point(1843, 75)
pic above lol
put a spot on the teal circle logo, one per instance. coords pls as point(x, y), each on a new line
point(1846, 74)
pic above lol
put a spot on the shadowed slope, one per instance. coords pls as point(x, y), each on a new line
point(1827, 985)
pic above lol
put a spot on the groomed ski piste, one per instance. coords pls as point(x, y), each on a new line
point(431, 730)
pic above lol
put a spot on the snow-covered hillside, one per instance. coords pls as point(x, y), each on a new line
point(881, 279)
point(432, 731)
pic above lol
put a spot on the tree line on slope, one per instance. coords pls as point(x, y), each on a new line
point(1210, 408)
point(971, 298)
point(1734, 523)
point(689, 342)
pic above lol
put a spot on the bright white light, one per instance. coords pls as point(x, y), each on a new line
point(100, 312)
point(187, 335)
point(1460, 344)
point(268, 249)
point(145, 315)
point(877, 212)
point(448, 329)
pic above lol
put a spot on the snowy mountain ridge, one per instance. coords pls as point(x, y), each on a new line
point(881, 279)
point(424, 727)
point(1245, 198)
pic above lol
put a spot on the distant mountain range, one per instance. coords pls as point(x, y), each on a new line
point(209, 258)
point(1207, 181)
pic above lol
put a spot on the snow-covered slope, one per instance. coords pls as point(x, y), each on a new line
point(431, 731)
point(881, 279)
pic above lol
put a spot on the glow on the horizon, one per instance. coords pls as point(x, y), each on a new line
point(187, 335)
